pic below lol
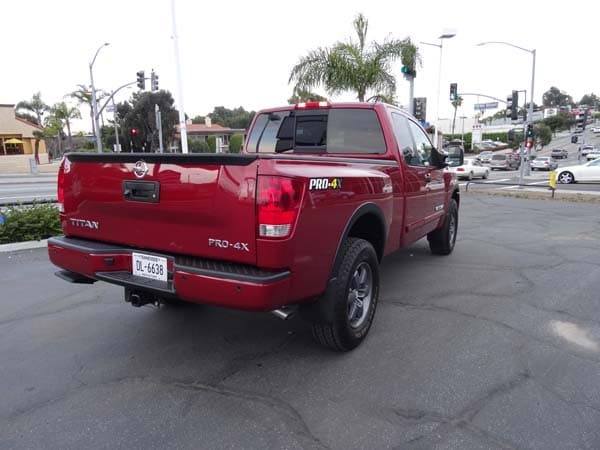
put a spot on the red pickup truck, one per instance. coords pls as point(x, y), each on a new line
point(300, 220)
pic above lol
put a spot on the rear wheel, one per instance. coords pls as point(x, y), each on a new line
point(354, 294)
point(566, 178)
point(442, 240)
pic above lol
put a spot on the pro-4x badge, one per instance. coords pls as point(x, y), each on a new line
point(319, 184)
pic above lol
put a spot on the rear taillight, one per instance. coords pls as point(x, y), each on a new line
point(460, 169)
point(278, 202)
point(60, 184)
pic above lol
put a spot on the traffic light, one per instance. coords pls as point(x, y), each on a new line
point(153, 81)
point(134, 132)
point(512, 105)
point(515, 110)
point(529, 136)
point(453, 91)
point(573, 139)
point(407, 71)
point(420, 108)
point(511, 135)
point(141, 80)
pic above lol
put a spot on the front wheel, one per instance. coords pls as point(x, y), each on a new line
point(442, 240)
point(353, 296)
point(566, 178)
point(486, 174)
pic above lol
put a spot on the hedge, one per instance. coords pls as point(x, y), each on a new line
point(29, 223)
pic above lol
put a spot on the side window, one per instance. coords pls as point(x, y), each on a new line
point(405, 142)
point(265, 133)
point(423, 145)
point(354, 131)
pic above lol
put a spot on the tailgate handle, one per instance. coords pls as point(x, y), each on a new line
point(141, 191)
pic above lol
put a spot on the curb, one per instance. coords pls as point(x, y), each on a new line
point(28, 245)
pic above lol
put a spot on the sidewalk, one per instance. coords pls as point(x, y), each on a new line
point(18, 165)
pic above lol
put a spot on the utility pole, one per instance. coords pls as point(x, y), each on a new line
point(159, 128)
point(115, 116)
point(182, 124)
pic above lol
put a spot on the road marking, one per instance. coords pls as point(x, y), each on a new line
point(497, 181)
point(33, 197)
point(537, 182)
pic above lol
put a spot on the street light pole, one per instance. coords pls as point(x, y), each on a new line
point(524, 164)
point(95, 101)
point(445, 35)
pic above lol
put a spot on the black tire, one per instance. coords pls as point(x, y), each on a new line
point(345, 331)
point(442, 240)
point(565, 178)
point(486, 174)
point(470, 177)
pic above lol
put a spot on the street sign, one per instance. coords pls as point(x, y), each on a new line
point(110, 108)
point(484, 106)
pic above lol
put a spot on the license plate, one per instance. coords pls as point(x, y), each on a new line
point(149, 266)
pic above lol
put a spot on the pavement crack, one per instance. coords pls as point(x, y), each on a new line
point(433, 307)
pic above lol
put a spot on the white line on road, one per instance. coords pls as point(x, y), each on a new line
point(497, 181)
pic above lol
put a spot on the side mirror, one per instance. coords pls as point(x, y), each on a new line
point(453, 156)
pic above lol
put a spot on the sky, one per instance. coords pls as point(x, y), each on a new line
point(240, 53)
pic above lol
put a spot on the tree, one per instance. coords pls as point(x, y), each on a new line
point(83, 95)
point(198, 119)
point(139, 114)
point(53, 127)
point(232, 118)
point(556, 97)
point(235, 143)
point(456, 103)
point(590, 100)
point(36, 106)
point(304, 95)
point(66, 114)
point(543, 134)
point(38, 135)
point(354, 66)
point(559, 122)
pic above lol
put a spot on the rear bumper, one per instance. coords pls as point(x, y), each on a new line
point(191, 279)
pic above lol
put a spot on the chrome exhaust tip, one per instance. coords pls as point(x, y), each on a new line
point(284, 313)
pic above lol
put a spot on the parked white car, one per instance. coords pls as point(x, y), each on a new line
point(584, 173)
point(470, 169)
point(593, 155)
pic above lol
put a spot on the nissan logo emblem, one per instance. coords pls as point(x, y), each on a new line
point(140, 169)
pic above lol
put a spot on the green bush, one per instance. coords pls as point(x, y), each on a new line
point(503, 136)
point(29, 223)
point(198, 146)
point(235, 143)
point(212, 143)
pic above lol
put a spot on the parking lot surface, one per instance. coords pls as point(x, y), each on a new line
point(494, 346)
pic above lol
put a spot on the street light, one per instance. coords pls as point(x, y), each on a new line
point(94, 101)
point(446, 35)
point(530, 109)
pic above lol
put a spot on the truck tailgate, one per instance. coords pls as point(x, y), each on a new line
point(199, 205)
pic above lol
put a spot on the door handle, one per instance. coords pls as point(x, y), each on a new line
point(427, 177)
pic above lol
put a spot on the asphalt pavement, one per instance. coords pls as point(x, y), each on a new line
point(27, 188)
point(494, 346)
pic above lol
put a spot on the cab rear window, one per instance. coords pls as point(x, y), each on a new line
point(339, 130)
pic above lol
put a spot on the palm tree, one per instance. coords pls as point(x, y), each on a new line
point(83, 95)
point(66, 114)
point(38, 135)
point(456, 103)
point(35, 106)
point(354, 66)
